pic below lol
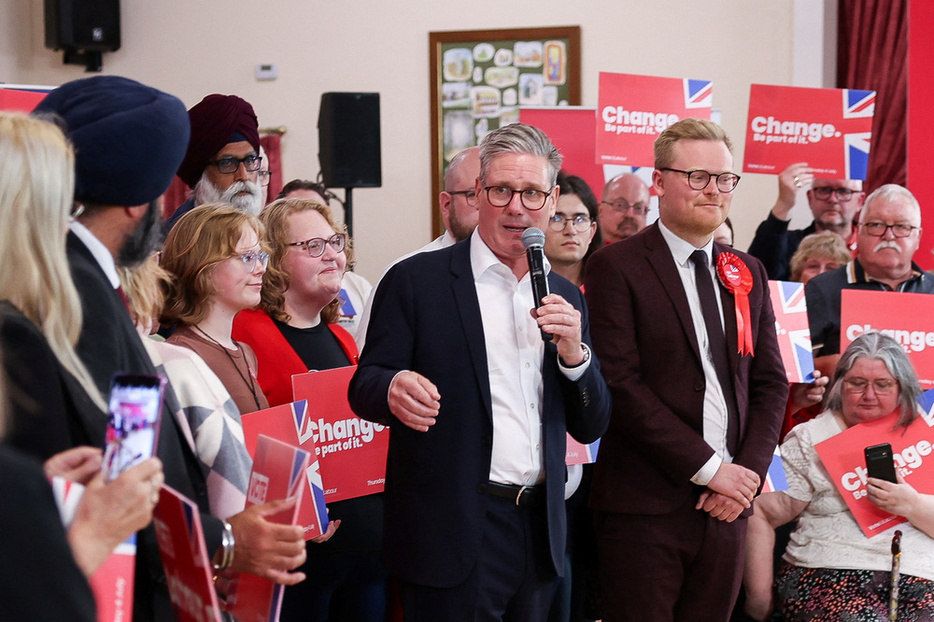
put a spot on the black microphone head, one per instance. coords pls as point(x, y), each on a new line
point(533, 238)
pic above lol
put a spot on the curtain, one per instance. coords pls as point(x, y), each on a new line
point(872, 54)
point(176, 195)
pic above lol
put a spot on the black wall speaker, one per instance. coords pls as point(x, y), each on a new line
point(82, 25)
point(348, 140)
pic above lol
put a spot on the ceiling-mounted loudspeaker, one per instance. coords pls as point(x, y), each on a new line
point(84, 29)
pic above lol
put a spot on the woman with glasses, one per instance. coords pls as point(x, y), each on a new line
point(215, 256)
point(831, 571)
point(295, 330)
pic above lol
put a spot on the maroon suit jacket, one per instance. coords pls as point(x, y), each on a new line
point(644, 336)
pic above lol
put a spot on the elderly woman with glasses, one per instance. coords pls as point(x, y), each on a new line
point(295, 330)
point(831, 571)
point(217, 261)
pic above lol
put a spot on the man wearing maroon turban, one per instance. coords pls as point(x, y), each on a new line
point(222, 162)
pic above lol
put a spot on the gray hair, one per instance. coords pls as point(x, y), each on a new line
point(891, 192)
point(522, 139)
point(875, 345)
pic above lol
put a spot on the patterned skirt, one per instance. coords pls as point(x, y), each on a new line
point(832, 595)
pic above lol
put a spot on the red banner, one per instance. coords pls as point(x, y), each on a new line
point(907, 318)
point(830, 129)
point(352, 450)
point(633, 110)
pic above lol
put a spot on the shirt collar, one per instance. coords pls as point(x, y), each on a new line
point(482, 258)
point(100, 252)
point(681, 249)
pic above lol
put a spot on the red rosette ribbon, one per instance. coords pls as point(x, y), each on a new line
point(736, 277)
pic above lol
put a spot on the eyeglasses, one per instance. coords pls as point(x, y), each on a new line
point(878, 229)
point(249, 259)
point(264, 177)
point(469, 195)
point(823, 193)
point(531, 199)
point(698, 179)
point(858, 386)
point(315, 246)
point(620, 205)
point(580, 222)
point(230, 164)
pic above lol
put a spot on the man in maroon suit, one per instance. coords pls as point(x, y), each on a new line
point(698, 397)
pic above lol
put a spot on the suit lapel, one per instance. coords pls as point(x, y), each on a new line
point(663, 264)
point(468, 306)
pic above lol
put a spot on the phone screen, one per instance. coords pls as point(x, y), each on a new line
point(133, 428)
point(879, 462)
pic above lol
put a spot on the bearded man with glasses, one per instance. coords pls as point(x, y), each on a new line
point(833, 202)
point(888, 235)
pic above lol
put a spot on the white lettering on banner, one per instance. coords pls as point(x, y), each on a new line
point(188, 600)
point(771, 130)
point(906, 461)
point(911, 340)
point(618, 120)
point(342, 434)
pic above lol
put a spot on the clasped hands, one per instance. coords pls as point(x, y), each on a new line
point(729, 492)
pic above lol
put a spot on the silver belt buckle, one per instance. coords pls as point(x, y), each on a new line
point(522, 489)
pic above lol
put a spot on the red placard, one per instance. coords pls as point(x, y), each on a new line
point(830, 129)
point(188, 570)
point(572, 130)
point(578, 453)
point(842, 456)
point(352, 450)
point(907, 318)
point(284, 423)
point(278, 473)
point(21, 99)
point(634, 110)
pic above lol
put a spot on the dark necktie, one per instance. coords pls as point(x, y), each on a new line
point(717, 343)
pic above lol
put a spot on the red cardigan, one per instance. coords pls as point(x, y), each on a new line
point(277, 362)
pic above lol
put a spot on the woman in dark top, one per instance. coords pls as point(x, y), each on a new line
point(295, 331)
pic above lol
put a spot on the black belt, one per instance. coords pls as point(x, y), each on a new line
point(531, 496)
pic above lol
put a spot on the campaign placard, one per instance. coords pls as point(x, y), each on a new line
point(286, 423)
point(775, 478)
point(830, 129)
point(843, 457)
point(579, 453)
point(794, 332)
point(907, 318)
point(112, 583)
point(188, 571)
point(352, 450)
point(633, 110)
point(22, 98)
point(572, 129)
point(278, 473)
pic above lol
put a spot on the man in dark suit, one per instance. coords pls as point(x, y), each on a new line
point(129, 139)
point(479, 404)
point(697, 401)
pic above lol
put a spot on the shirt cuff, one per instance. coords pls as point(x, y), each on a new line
point(574, 373)
point(706, 472)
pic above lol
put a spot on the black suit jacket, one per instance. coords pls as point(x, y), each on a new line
point(426, 318)
point(643, 331)
point(109, 344)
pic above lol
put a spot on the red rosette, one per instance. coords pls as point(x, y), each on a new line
point(736, 277)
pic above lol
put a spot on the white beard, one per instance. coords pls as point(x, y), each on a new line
point(207, 192)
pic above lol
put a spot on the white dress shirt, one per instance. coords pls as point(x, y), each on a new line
point(716, 414)
point(101, 253)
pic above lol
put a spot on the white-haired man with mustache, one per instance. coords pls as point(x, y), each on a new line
point(888, 235)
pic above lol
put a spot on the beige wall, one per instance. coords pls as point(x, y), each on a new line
point(194, 47)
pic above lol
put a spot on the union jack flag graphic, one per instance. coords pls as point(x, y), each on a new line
point(775, 479)
point(856, 154)
point(698, 93)
point(794, 333)
point(926, 407)
point(858, 104)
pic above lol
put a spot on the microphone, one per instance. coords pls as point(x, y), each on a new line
point(533, 240)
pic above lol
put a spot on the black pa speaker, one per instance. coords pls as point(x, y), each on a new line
point(82, 25)
point(348, 140)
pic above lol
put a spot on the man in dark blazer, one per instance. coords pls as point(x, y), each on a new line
point(129, 139)
point(690, 438)
point(479, 404)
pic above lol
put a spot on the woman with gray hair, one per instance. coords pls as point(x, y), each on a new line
point(831, 571)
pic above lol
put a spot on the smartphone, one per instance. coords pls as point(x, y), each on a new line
point(879, 462)
point(133, 428)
